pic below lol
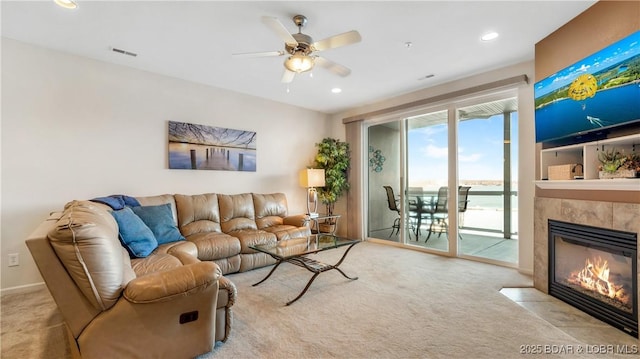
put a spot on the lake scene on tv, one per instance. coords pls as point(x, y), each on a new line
point(598, 92)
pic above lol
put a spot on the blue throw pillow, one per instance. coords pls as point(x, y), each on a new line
point(160, 220)
point(135, 236)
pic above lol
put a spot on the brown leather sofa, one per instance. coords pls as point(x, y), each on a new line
point(224, 226)
point(172, 303)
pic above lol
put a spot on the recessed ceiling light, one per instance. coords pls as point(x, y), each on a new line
point(67, 4)
point(336, 90)
point(489, 36)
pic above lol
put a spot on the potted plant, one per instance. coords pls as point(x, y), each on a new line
point(334, 157)
point(632, 163)
point(614, 164)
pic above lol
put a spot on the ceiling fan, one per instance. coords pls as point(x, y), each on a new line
point(301, 48)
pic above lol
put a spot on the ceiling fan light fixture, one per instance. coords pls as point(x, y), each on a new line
point(67, 4)
point(299, 62)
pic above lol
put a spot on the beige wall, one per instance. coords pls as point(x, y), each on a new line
point(75, 128)
point(597, 27)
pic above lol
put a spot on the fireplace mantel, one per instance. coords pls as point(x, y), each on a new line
point(616, 184)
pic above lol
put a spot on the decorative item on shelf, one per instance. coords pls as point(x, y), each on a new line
point(615, 164)
point(565, 172)
point(376, 159)
point(312, 178)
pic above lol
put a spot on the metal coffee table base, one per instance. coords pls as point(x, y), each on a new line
point(311, 265)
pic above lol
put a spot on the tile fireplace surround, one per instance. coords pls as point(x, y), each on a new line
point(610, 215)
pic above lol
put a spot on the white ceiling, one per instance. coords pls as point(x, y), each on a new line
point(194, 40)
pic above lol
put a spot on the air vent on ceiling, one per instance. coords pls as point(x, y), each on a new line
point(120, 51)
point(426, 77)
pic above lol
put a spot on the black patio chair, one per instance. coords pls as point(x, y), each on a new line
point(438, 213)
point(463, 201)
point(393, 206)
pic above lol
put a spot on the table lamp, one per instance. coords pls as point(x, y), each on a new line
point(312, 178)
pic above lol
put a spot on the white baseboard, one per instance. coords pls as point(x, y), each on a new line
point(22, 288)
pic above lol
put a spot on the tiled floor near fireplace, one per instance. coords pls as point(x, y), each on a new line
point(570, 320)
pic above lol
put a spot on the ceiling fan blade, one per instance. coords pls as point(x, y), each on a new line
point(259, 54)
point(287, 76)
point(347, 38)
point(332, 66)
point(277, 27)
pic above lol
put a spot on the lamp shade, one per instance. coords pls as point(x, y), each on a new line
point(312, 177)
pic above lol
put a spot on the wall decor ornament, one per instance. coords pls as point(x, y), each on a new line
point(376, 159)
point(200, 147)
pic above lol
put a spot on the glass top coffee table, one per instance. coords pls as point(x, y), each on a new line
point(296, 251)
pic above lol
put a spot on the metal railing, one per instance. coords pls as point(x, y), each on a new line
point(506, 209)
point(507, 228)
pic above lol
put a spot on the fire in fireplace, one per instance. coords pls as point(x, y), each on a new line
point(595, 270)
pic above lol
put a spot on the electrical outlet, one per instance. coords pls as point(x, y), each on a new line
point(13, 260)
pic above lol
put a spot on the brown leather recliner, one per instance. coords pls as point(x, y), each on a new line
point(163, 305)
point(199, 222)
point(197, 218)
point(237, 219)
point(271, 215)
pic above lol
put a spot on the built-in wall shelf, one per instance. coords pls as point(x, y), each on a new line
point(586, 154)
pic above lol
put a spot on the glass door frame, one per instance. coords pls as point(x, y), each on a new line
point(402, 119)
point(451, 106)
point(507, 227)
point(402, 178)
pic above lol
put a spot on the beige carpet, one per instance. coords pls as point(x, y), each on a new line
point(405, 304)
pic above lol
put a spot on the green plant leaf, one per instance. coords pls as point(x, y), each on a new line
point(334, 157)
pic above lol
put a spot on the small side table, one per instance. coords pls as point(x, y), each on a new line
point(323, 217)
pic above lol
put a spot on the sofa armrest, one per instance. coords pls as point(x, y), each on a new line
point(164, 286)
point(299, 220)
point(169, 314)
point(226, 299)
point(229, 291)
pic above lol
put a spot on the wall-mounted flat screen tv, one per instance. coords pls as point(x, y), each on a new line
point(599, 92)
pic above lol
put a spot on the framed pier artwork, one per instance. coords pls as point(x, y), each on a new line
point(201, 147)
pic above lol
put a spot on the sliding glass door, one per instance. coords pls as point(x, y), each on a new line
point(487, 163)
point(446, 179)
point(385, 217)
point(427, 179)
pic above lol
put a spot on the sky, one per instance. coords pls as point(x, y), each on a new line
point(480, 151)
point(619, 51)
